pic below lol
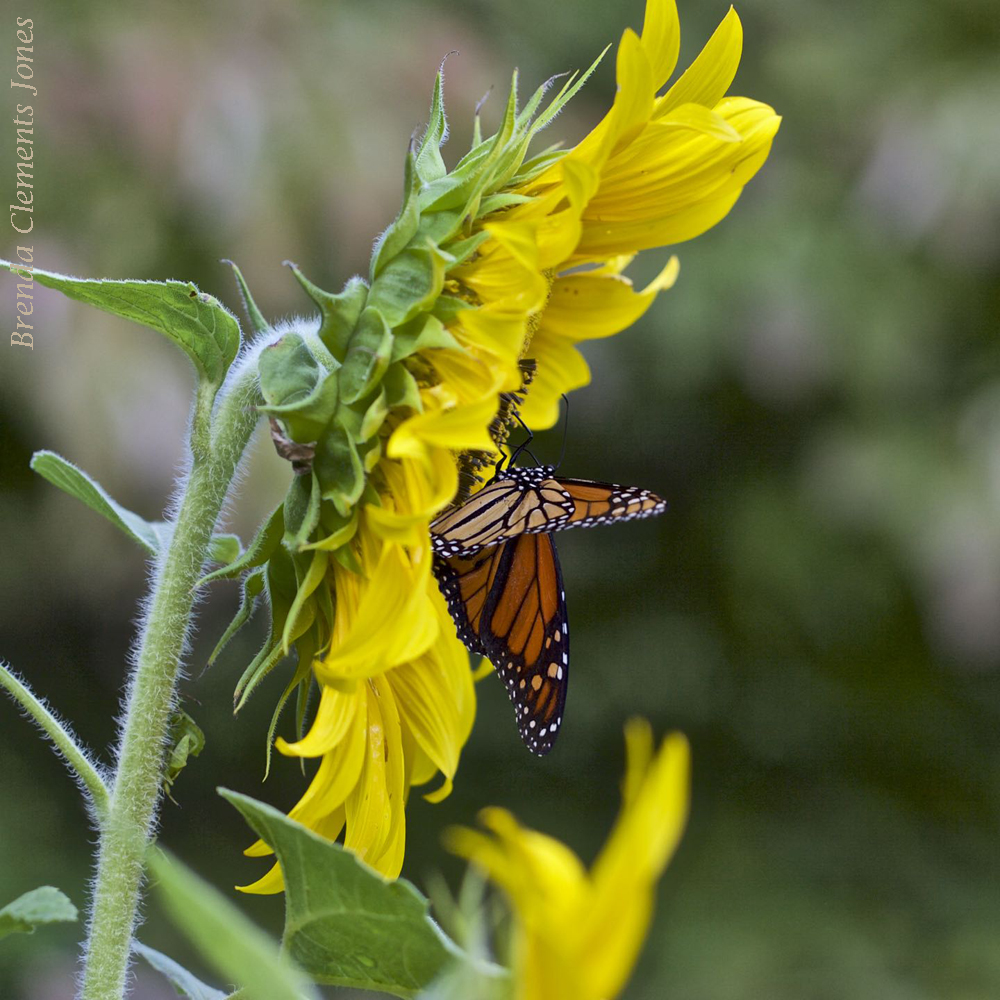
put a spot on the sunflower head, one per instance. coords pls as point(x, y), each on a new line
point(392, 401)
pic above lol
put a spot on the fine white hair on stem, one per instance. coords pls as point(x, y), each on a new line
point(89, 774)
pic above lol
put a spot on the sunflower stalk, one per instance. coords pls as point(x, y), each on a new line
point(218, 440)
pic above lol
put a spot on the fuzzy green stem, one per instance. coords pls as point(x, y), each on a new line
point(76, 757)
point(217, 443)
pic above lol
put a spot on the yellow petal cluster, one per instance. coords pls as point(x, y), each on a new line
point(396, 705)
point(656, 171)
point(578, 933)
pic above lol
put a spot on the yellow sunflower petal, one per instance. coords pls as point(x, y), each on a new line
point(331, 722)
point(460, 428)
point(561, 368)
point(589, 304)
point(397, 593)
point(708, 78)
point(661, 39)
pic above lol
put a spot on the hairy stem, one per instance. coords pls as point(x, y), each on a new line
point(60, 734)
point(217, 445)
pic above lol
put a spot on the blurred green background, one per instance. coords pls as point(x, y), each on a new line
point(818, 397)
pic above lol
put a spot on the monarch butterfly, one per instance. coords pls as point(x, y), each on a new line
point(496, 564)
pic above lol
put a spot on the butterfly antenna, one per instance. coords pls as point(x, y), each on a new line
point(523, 446)
point(562, 452)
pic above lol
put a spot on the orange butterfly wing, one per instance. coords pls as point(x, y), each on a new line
point(509, 604)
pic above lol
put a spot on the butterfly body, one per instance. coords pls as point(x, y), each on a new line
point(496, 563)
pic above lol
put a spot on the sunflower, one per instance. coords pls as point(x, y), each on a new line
point(395, 399)
point(578, 933)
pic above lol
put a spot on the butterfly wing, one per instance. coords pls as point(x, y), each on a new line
point(509, 604)
point(524, 500)
point(602, 503)
point(465, 582)
point(529, 501)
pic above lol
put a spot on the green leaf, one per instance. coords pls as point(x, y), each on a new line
point(151, 535)
point(186, 740)
point(224, 548)
point(197, 323)
point(77, 483)
point(186, 983)
point(45, 905)
point(345, 924)
point(238, 949)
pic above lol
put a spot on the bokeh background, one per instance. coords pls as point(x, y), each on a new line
point(818, 397)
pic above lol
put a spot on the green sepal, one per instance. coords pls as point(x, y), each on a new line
point(448, 307)
point(494, 203)
point(531, 168)
point(302, 503)
point(288, 371)
point(371, 452)
point(374, 416)
point(306, 419)
point(236, 948)
point(511, 142)
point(339, 313)
point(186, 740)
point(253, 585)
point(305, 649)
point(344, 923)
point(339, 469)
point(423, 333)
point(465, 185)
point(404, 228)
point(201, 326)
point(429, 163)
point(569, 90)
point(336, 528)
point(462, 250)
point(401, 388)
point(369, 350)
point(44, 905)
point(409, 284)
point(302, 614)
point(258, 324)
point(348, 558)
point(281, 587)
point(302, 705)
point(257, 552)
point(187, 984)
